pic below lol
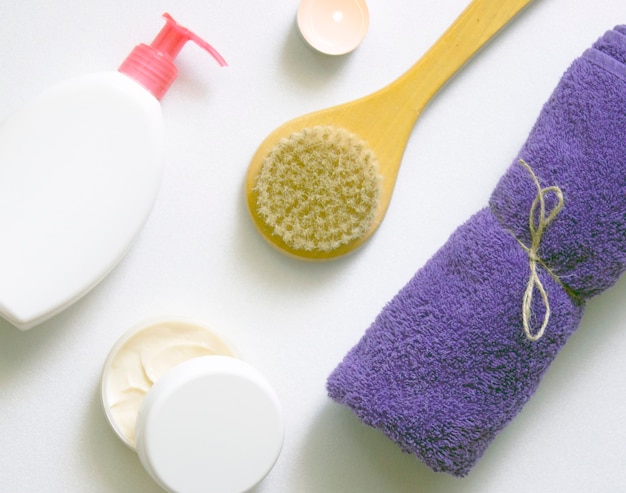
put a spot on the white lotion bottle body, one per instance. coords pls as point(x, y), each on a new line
point(80, 168)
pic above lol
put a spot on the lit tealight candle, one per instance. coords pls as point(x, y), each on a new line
point(333, 27)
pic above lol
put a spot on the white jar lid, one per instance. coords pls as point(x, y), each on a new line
point(210, 424)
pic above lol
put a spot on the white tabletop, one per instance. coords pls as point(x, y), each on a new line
point(199, 255)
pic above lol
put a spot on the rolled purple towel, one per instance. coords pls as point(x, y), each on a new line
point(455, 355)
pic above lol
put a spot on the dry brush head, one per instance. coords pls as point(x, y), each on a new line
point(318, 189)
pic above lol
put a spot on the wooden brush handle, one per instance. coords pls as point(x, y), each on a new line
point(476, 25)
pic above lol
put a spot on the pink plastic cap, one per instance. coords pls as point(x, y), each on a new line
point(153, 66)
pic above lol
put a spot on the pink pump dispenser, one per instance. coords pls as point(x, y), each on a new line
point(81, 170)
point(153, 66)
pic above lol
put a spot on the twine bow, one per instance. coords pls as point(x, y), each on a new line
point(538, 221)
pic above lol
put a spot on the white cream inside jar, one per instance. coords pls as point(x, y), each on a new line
point(141, 357)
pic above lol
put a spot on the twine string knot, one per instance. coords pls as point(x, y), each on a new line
point(538, 221)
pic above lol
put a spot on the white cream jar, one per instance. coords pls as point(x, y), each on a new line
point(200, 418)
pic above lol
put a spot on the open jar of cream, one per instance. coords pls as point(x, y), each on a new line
point(199, 417)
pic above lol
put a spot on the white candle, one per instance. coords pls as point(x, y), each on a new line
point(333, 27)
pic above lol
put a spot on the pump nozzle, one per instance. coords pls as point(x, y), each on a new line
point(153, 66)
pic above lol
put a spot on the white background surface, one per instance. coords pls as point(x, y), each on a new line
point(199, 255)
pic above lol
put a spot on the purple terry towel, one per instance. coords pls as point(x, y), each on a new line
point(455, 355)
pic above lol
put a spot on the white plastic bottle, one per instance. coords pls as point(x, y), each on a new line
point(80, 168)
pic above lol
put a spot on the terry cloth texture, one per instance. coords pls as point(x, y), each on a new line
point(446, 364)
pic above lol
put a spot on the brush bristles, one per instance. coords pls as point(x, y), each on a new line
point(318, 189)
